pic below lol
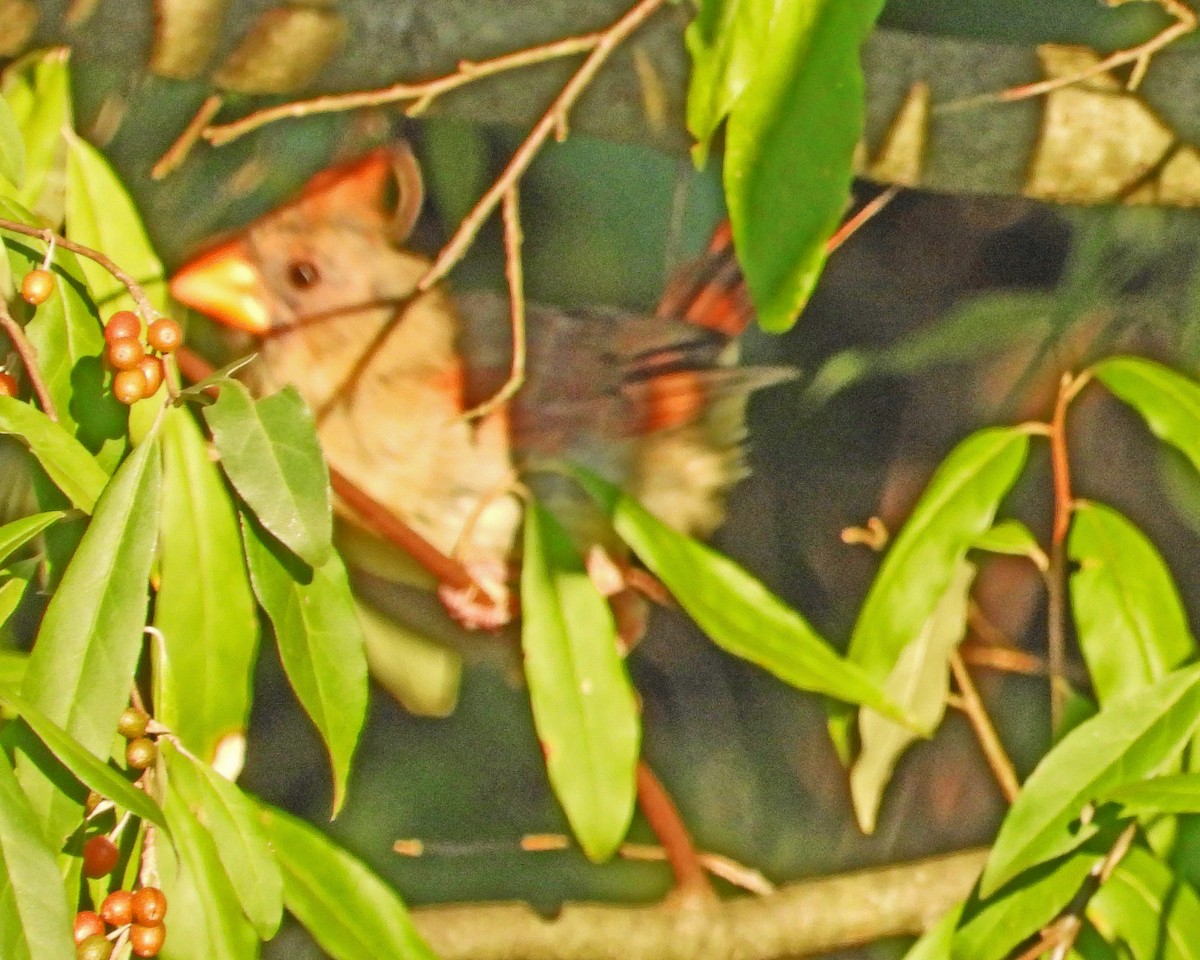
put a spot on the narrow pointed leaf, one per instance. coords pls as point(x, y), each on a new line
point(12, 147)
point(423, 675)
point(91, 635)
point(1174, 793)
point(232, 821)
point(346, 907)
point(918, 684)
point(66, 461)
point(35, 918)
point(13, 584)
point(737, 612)
point(937, 942)
point(204, 607)
point(320, 642)
point(584, 707)
point(1169, 402)
point(1132, 738)
point(16, 534)
point(1012, 538)
point(92, 771)
point(270, 452)
point(1149, 908)
point(1130, 620)
point(37, 89)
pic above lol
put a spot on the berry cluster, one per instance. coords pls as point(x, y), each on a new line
point(138, 373)
point(136, 915)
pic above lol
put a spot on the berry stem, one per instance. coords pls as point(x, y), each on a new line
point(28, 355)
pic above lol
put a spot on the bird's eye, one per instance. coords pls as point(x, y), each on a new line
point(303, 274)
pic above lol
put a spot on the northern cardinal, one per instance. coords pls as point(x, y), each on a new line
point(649, 402)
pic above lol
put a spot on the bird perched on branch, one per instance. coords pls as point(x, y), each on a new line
point(651, 402)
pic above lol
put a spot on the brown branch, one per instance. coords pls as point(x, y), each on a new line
point(801, 919)
point(28, 354)
point(177, 152)
point(985, 732)
point(691, 882)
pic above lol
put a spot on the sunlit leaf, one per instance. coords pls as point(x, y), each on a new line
point(1174, 793)
point(91, 635)
point(35, 918)
point(918, 684)
point(737, 612)
point(936, 942)
point(348, 910)
point(204, 607)
point(424, 676)
point(1133, 737)
point(1012, 538)
point(14, 581)
point(1149, 908)
point(270, 452)
point(1130, 620)
point(584, 707)
point(1168, 401)
point(12, 147)
point(16, 534)
point(38, 91)
point(320, 642)
point(232, 821)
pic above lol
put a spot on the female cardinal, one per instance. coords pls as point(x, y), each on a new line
point(649, 402)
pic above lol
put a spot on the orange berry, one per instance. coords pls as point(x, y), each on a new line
point(87, 924)
point(149, 906)
point(164, 335)
point(147, 941)
point(122, 325)
point(152, 368)
point(8, 384)
point(100, 855)
point(125, 353)
point(117, 908)
point(37, 286)
point(129, 386)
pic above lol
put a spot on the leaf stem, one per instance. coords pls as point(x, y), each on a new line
point(691, 882)
point(985, 732)
point(28, 354)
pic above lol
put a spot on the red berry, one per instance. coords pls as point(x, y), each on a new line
point(100, 855)
point(122, 325)
point(140, 753)
point(117, 908)
point(94, 948)
point(132, 723)
point(129, 386)
point(87, 924)
point(152, 369)
point(37, 286)
point(147, 941)
point(149, 906)
point(125, 353)
point(164, 335)
point(8, 384)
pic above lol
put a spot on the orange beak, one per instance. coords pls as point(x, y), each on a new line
point(224, 284)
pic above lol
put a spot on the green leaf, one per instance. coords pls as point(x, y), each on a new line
point(91, 635)
point(232, 821)
point(918, 683)
point(12, 146)
point(12, 668)
point(584, 707)
point(1012, 538)
point(956, 509)
point(1168, 401)
point(348, 910)
point(737, 612)
point(204, 607)
point(1149, 908)
point(1130, 621)
point(92, 772)
point(789, 146)
point(1174, 793)
point(38, 91)
point(936, 942)
point(16, 534)
point(66, 462)
point(1133, 737)
point(320, 642)
point(35, 918)
point(205, 919)
point(13, 584)
point(270, 452)
point(424, 676)
point(100, 214)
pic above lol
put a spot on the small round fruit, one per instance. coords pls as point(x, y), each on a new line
point(122, 325)
point(93, 801)
point(87, 924)
point(117, 908)
point(149, 906)
point(164, 335)
point(152, 369)
point(8, 384)
point(140, 753)
point(129, 386)
point(100, 855)
point(132, 723)
point(95, 947)
point(147, 941)
point(37, 286)
point(125, 353)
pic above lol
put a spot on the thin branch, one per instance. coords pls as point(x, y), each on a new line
point(985, 732)
point(49, 236)
point(868, 211)
point(552, 121)
point(177, 152)
point(511, 213)
point(28, 354)
point(691, 882)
